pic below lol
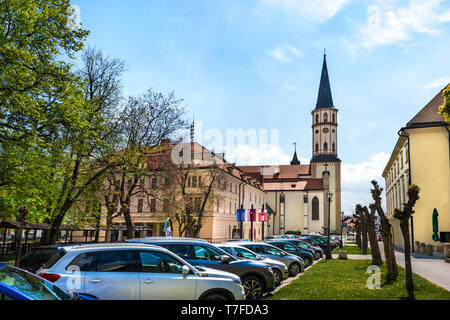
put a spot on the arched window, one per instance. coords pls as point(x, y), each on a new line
point(317, 147)
point(325, 146)
point(325, 117)
point(317, 118)
point(315, 209)
point(334, 118)
point(333, 147)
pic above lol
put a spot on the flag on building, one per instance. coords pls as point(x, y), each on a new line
point(240, 215)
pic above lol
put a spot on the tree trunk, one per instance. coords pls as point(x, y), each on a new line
point(129, 223)
point(358, 236)
point(19, 245)
point(108, 229)
point(364, 237)
point(408, 268)
point(389, 252)
point(376, 254)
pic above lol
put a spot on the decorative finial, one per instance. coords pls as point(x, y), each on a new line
point(295, 146)
point(325, 52)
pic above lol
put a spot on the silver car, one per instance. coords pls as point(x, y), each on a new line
point(280, 271)
point(128, 271)
point(294, 263)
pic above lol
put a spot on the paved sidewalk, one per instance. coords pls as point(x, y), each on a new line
point(434, 270)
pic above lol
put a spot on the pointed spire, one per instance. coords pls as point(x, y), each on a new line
point(295, 160)
point(324, 99)
point(193, 128)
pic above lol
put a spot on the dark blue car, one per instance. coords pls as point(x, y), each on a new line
point(18, 284)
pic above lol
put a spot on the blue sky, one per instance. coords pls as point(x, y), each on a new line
point(257, 63)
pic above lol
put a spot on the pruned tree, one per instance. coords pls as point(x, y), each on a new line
point(375, 248)
point(358, 232)
point(404, 216)
point(362, 219)
point(386, 233)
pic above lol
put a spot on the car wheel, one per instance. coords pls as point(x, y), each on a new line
point(215, 296)
point(308, 261)
point(317, 255)
point(277, 276)
point(253, 287)
point(294, 269)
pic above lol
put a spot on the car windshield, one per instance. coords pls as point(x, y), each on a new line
point(32, 286)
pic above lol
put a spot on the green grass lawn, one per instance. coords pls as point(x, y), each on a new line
point(352, 250)
point(346, 280)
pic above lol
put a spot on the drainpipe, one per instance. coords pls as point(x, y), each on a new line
point(400, 133)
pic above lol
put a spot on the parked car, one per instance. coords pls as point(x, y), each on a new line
point(133, 271)
point(286, 245)
point(279, 269)
point(317, 241)
point(257, 277)
point(294, 263)
point(19, 284)
point(316, 251)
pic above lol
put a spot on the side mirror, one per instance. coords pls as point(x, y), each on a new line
point(225, 259)
point(185, 270)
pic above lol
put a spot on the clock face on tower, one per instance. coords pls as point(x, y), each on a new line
point(325, 130)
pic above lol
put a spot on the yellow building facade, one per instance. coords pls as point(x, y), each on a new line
point(421, 157)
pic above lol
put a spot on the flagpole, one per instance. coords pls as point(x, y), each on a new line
point(262, 220)
point(251, 223)
point(242, 236)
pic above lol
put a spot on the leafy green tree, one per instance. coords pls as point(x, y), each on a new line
point(445, 108)
point(39, 95)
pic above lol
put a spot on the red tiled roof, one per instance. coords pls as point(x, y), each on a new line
point(302, 185)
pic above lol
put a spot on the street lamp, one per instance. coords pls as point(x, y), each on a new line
point(330, 197)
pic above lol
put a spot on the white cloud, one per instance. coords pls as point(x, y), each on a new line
point(438, 83)
point(356, 180)
point(285, 53)
point(387, 23)
point(313, 10)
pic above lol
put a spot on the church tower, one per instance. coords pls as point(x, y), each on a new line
point(325, 149)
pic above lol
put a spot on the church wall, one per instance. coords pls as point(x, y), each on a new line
point(335, 187)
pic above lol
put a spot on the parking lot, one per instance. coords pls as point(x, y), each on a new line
point(169, 268)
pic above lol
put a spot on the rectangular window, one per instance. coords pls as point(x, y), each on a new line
point(154, 182)
point(166, 205)
point(152, 205)
point(197, 204)
point(199, 181)
point(158, 262)
point(189, 182)
point(116, 261)
point(140, 206)
point(194, 182)
point(231, 187)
